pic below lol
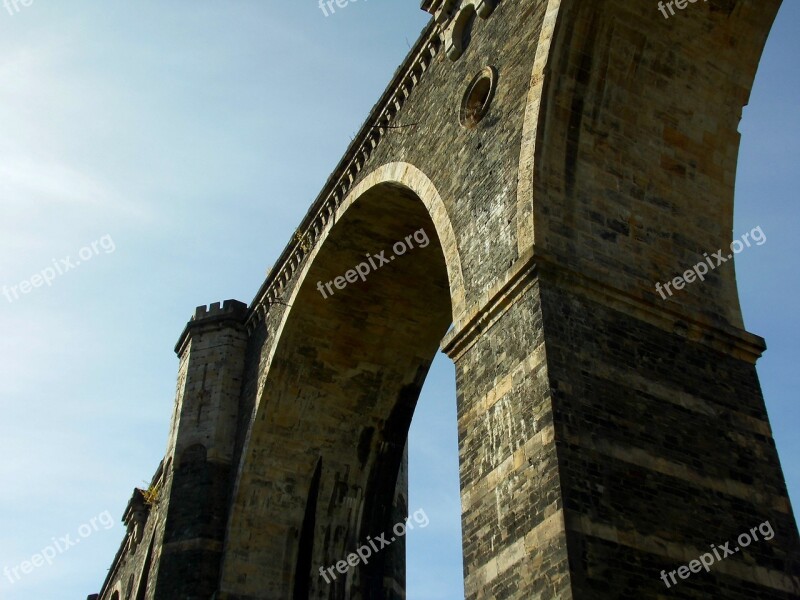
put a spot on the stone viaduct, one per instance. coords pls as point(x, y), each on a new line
point(561, 157)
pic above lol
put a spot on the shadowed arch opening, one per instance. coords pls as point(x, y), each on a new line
point(342, 386)
point(462, 31)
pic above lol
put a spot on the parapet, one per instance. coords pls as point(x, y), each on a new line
point(229, 308)
point(230, 313)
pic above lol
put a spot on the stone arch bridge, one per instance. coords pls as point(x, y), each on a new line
point(532, 170)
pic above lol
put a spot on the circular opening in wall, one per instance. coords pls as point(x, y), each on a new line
point(478, 97)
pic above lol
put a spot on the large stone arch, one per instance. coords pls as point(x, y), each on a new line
point(351, 355)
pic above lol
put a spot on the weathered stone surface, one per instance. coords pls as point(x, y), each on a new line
point(605, 434)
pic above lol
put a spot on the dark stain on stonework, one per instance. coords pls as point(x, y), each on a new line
point(306, 546)
point(364, 444)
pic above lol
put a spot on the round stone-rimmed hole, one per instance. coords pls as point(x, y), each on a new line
point(478, 97)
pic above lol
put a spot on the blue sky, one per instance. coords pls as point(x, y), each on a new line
point(193, 136)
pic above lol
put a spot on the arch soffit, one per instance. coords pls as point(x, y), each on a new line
point(409, 176)
point(406, 175)
point(399, 173)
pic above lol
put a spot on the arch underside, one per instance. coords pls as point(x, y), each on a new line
point(337, 401)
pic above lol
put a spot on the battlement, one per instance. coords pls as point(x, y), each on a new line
point(230, 312)
point(229, 308)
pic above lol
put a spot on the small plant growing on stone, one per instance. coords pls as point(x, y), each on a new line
point(303, 241)
point(151, 494)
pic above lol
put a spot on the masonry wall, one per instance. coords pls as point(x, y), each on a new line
point(474, 170)
point(177, 553)
point(664, 449)
point(133, 570)
point(513, 525)
point(200, 451)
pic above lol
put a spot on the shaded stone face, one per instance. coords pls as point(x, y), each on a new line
point(533, 169)
point(339, 393)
